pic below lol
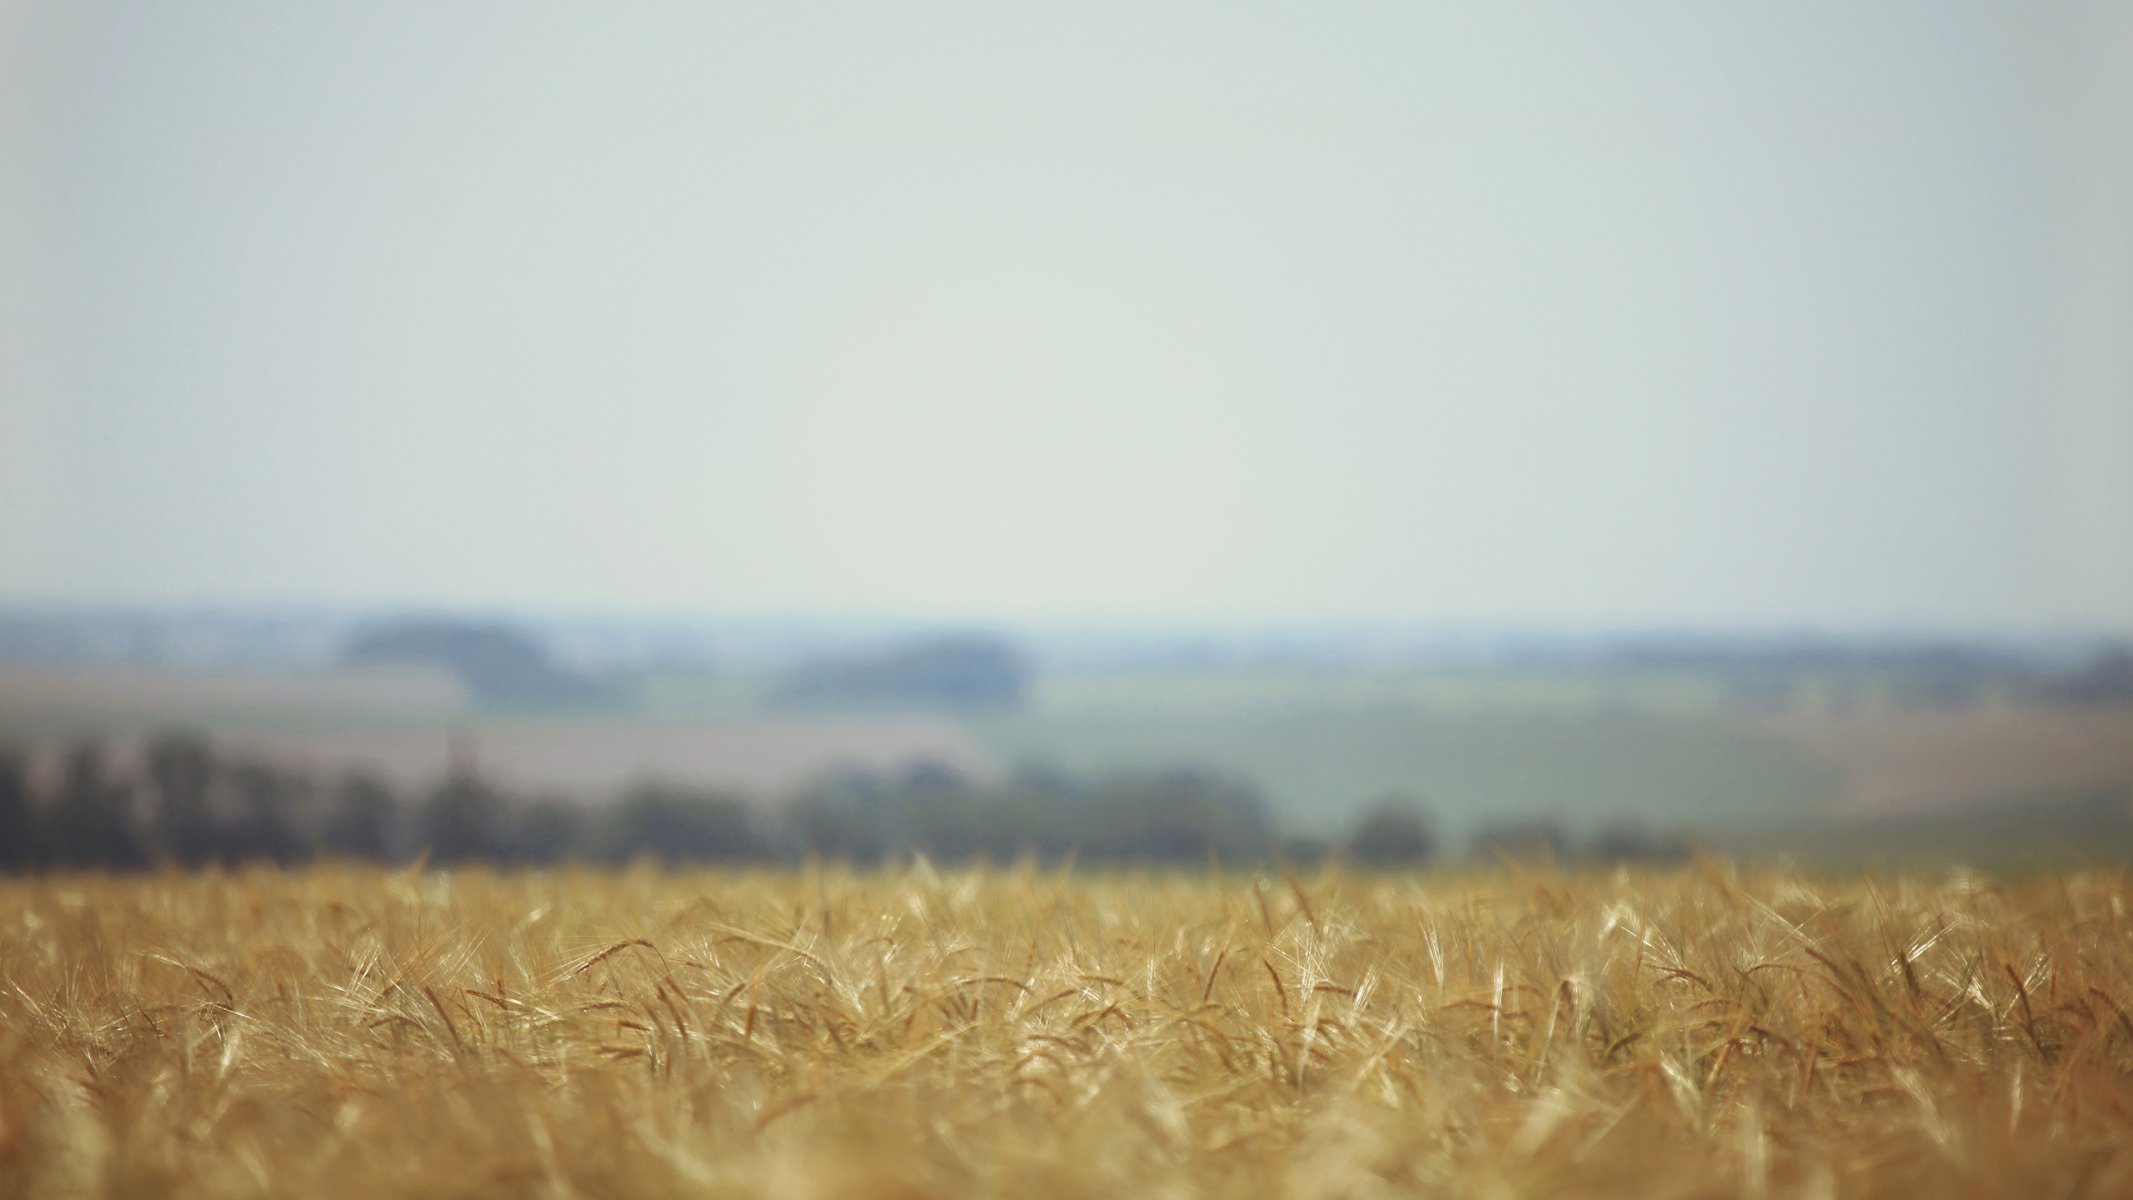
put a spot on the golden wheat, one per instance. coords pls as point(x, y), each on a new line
point(1019, 1032)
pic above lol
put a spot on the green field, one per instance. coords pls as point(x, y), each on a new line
point(1473, 748)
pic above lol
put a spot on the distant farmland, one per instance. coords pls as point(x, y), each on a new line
point(1664, 750)
point(1905, 763)
point(1473, 747)
point(42, 700)
point(763, 760)
point(408, 726)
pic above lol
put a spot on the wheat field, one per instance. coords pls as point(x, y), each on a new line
point(1028, 1032)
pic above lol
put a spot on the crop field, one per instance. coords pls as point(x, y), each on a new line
point(1019, 1032)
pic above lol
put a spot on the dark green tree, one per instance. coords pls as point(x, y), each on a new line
point(844, 818)
point(499, 663)
point(92, 821)
point(1395, 832)
point(1180, 816)
point(21, 843)
point(550, 832)
point(363, 819)
point(265, 827)
point(1629, 842)
point(181, 769)
point(1538, 840)
point(677, 824)
point(464, 820)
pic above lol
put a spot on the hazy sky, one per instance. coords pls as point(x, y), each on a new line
point(1695, 312)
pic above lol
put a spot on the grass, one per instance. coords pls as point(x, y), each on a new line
point(1013, 1032)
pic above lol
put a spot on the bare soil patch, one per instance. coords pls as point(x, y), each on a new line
point(1906, 763)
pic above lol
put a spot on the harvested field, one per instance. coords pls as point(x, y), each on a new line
point(340, 1032)
point(412, 726)
point(44, 700)
point(1904, 763)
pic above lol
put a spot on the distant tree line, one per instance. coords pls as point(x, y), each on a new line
point(961, 673)
point(502, 665)
point(1398, 831)
point(185, 803)
point(1927, 675)
point(499, 664)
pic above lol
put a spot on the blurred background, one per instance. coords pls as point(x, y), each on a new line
point(1119, 432)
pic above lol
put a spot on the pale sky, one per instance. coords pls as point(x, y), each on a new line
point(1803, 313)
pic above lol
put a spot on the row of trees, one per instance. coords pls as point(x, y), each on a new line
point(187, 805)
point(499, 664)
point(505, 665)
